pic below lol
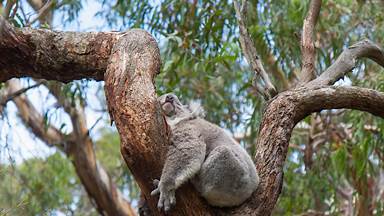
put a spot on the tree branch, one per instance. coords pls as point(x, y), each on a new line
point(78, 146)
point(267, 89)
point(308, 71)
point(42, 12)
point(33, 120)
point(52, 55)
point(347, 61)
point(6, 98)
point(132, 104)
point(281, 115)
point(8, 7)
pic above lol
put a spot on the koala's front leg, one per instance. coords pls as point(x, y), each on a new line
point(184, 158)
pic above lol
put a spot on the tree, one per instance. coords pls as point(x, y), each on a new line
point(78, 145)
point(131, 96)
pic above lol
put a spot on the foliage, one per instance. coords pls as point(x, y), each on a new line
point(107, 151)
point(38, 186)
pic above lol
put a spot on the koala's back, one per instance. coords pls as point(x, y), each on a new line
point(228, 175)
point(213, 135)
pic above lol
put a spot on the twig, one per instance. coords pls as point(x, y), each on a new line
point(7, 98)
point(8, 8)
point(42, 11)
point(308, 51)
point(14, 11)
point(268, 90)
point(94, 124)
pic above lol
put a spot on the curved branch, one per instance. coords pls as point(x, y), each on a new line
point(52, 55)
point(308, 51)
point(279, 119)
point(131, 97)
point(347, 61)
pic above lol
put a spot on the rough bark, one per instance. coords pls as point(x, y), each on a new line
point(131, 96)
point(308, 51)
point(280, 117)
point(62, 56)
point(78, 146)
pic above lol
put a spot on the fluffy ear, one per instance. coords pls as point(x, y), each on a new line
point(196, 109)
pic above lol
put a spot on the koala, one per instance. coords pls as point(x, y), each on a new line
point(199, 151)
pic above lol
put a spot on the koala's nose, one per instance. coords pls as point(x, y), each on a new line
point(169, 98)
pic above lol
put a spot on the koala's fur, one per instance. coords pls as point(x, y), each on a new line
point(219, 168)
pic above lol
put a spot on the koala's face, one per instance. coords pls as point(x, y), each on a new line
point(170, 104)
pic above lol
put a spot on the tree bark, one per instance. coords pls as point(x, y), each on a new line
point(51, 55)
point(307, 45)
point(131, 96)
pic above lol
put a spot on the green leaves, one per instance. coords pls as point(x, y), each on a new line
point(37, 186)
point(339, 160)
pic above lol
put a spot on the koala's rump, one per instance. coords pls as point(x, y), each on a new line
point(227, 176)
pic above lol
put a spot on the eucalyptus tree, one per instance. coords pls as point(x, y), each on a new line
point(201, 58)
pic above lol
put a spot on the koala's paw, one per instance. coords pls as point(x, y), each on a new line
point(167, 196)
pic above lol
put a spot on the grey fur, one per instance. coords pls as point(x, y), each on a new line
point(219, 168)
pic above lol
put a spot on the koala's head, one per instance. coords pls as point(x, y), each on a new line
point(171, 105)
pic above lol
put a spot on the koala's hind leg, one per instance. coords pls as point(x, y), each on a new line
point(224, 178)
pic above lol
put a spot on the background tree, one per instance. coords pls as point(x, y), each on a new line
point(333, 154)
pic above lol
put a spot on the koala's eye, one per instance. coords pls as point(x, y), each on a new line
point(169, 98)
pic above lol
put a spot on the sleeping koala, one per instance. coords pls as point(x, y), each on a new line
point(219, 168)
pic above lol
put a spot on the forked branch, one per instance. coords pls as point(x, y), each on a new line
point(347, 61)
point(308, 71)
point(267, 89)
point(280, 116)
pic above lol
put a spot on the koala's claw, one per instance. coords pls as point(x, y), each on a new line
point(167, 198)
point(155, 182)
point(157, 189)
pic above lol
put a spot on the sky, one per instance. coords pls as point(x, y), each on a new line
point(16, 142)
